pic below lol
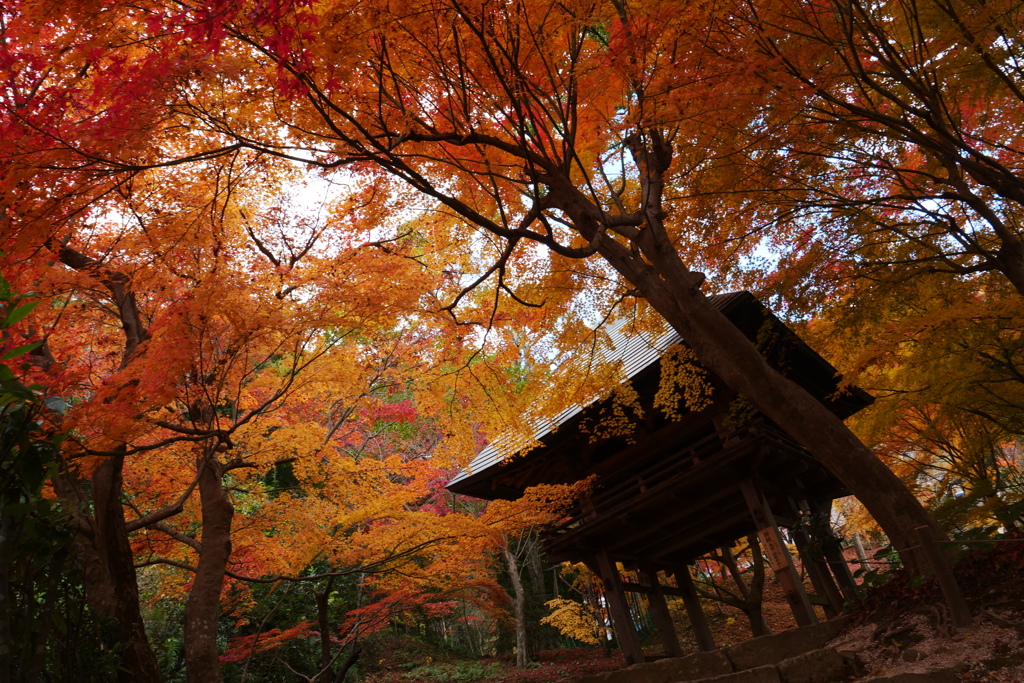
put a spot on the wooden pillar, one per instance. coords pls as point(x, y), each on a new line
point(701, 631)
point(834, 555)
point(820, 577)
point(778, 555)
point(625, 631)
point(841, 569)
point(659, 610)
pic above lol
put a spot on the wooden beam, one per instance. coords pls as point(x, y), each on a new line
point(699, 622)
point(625, 630)
point(820, 577)
point(659, 610)
point(778, 555)
point(653, 539)
point(630, 587)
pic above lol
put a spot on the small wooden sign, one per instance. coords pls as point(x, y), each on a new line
point(778, 557)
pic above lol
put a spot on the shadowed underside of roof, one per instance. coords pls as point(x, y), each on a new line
point(641, 353)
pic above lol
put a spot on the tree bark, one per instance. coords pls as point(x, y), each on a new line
point(324, 622)
point(518, 607)
point(722, 348)
point(108, 565)
point(535, 567)
point(349, 662)
point(658, 274)
point(752, 595)
point(202, 609)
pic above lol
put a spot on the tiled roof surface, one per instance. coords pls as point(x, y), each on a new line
point(635, 354)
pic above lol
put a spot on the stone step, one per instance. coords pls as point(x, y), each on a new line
point(748, 655)
point(816, 666)
point(772, 649)
point(669, 670)
point(945, 675)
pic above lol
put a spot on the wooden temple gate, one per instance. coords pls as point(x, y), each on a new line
point(678, 489)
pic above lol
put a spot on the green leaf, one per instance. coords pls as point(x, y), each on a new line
point(18, 509)
point(20, 350)
point(18, 313)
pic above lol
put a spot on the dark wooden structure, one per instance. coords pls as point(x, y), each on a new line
point(677, 489)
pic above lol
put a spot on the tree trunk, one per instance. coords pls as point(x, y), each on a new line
point(105, 555)
point(349, 662)
point(734, 358)
point(862, 557)
point(202, 609)
point(543, 638)
point(518, 607)
point(665, 282)
point(535, 567)
point(758, 625)
point(651, 263)
point(324, 622)
point(752, 596)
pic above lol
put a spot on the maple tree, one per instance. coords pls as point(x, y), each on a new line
point(582, 614)
point(746, 596)
point(906, 149)
point(942, 357)
point(564, 133)
point(177, 346)
point(512, 128)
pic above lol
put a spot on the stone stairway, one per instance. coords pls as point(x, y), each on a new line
point(794, 656)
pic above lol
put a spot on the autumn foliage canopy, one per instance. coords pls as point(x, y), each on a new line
point(298, 261)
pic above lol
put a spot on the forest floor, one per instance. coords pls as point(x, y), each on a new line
point(901, 626)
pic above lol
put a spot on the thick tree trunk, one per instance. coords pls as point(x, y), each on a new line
point(734, 358)
point(202, 609)
point(104, 553)
point(651, 263)
point(518, 608)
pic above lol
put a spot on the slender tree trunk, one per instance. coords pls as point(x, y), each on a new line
point(536, 569)
point(518, 607)
point(542, 637)
point(349, 662)
point(324, 622)
point(755, 596)
point(862, 557)
point(202, 609)
point(752, 596)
